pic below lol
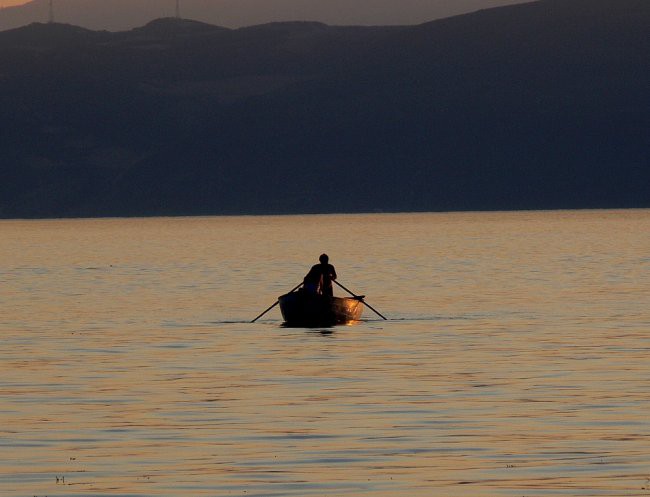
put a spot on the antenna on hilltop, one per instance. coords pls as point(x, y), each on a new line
point(51, 16)
point(178, 9)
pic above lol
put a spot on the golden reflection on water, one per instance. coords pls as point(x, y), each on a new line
point(515, 361)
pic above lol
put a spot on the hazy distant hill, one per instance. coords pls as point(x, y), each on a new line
point(542, 105)
point(116, 15)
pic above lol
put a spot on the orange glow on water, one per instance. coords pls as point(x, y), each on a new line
point(11, 3)
point(515, 361)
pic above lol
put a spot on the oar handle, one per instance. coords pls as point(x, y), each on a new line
point(360, 298)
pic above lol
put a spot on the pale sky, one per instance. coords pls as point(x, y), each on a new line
point(127, 14)
point(8, 3)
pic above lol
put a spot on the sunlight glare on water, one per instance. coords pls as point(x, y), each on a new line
point(514, 362)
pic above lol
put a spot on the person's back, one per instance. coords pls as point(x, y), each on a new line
point(312, 281)
point(327, 275)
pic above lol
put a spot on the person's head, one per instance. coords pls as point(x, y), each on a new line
point(324, 259)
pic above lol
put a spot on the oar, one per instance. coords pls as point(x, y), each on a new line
point(276, 303)
point(361, 299)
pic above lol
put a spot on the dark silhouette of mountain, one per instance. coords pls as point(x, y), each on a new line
point(535, 106)
point(118, 15)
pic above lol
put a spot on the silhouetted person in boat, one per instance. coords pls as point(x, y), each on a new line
point(320, 277)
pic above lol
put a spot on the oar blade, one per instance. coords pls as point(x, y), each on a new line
point(271, 307)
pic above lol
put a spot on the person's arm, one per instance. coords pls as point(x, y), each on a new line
point(333, 273)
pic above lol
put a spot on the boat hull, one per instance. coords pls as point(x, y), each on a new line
point(302, 309)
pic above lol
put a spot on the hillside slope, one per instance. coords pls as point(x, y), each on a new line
point(119, 15)
point(534, 106)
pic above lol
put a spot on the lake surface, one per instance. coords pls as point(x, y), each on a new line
point(515, 362)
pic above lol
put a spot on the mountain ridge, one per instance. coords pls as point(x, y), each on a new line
point(121, 15)
point(481, 112)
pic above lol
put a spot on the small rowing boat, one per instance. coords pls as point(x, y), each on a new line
point(304, 309)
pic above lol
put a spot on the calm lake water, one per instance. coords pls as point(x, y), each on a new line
point(516, 361)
